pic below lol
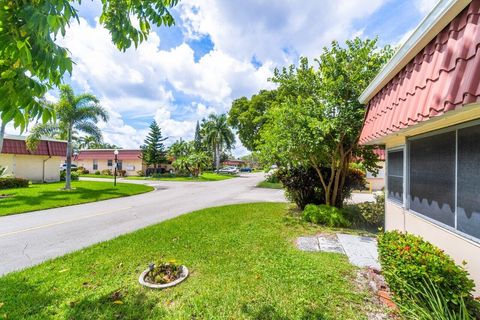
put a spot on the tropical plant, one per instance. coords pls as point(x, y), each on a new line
point(73, 113)
point(153, 150)
point(87, 142)
point(186, 159)
point(218, 135)
point(178, 149)
point(4, 172)
point(317, 119)
point(31, 60)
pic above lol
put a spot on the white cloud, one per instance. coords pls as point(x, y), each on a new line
point(272, 30)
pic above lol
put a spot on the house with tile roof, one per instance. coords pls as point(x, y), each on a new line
point(41, 165)
point(424, 106)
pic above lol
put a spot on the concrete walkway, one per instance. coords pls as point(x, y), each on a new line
point(361, 251)
point(30, 238)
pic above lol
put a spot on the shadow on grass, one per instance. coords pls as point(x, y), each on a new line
point(28, 301)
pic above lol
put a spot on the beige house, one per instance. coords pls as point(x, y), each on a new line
point(104, 159)
point(424, 106)
point(42, 165)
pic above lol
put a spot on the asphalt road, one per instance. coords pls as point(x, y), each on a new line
point(30, 238)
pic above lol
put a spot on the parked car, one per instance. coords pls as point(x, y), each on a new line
point(229, 170)
point(64, 167)
point(246, 169)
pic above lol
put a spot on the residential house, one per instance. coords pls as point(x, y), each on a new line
point(41, 165)
point(424, 106)
point(104, 159)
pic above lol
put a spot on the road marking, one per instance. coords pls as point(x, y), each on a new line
point(62, 222)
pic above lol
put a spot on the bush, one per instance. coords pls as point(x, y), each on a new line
point(107, 172)
point(97, 173)
point(303, 186)
point(373, 212)
point(10, 183)
point(82, 170)
point(121, 173)
point(272, 177)
point(73, 175)
point(325, 215)
point(408, 261)
point(140, 173)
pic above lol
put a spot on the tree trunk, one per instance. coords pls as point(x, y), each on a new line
point(68, 173)
point(217, 157)
point(2, 134)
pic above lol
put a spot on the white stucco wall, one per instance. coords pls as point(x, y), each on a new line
point(32, 167)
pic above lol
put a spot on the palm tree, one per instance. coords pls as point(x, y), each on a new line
point(74, 113)
point(88, 142)
point(218, 135)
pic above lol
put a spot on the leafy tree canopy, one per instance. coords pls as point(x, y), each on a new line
point(249, 115)
point(30, 60)
point(318, 118)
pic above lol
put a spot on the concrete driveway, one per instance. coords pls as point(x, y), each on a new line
point(30, 238)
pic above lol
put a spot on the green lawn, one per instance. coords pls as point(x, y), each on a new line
point(270, 185)
point(243, 264)
point(92, 175)
point(50, 195)
point(206, 176)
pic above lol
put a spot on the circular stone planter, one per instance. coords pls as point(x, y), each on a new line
point(183, 276)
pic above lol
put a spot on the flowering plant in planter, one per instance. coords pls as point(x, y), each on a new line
point(163, 273)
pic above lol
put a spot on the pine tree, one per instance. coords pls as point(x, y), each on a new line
point(153, 150)
point(198, 138)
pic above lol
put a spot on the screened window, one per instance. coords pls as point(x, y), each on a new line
point(95, 164)
point(110, 163)
point(468, 181)
point(395, 175)
point(432, 177)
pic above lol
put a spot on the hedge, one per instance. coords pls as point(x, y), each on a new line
point(10, 183)
point(408, 262)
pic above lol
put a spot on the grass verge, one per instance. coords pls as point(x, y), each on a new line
point(269, 185)
point(50, 195)
point(206, 176)
point(243, 265)
point(92, 175)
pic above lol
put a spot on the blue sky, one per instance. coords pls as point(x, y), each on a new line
point(218, 51)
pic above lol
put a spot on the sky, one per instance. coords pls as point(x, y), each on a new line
point(217, 51)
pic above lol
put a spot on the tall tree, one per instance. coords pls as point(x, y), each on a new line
point(153, 150)
point(318, 119)
point(218, 134)
point(31, 61)
point(198, 138)
point(74, 113)
point(249, 115)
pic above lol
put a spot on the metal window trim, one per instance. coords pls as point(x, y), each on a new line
point(454, 127)
point(395, 149)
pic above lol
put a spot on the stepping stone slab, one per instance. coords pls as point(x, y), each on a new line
point(330, 244)
point(308, 244)
point(361, 251)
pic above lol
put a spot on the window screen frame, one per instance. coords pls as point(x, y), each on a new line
point(402, 148)
point(454, 128)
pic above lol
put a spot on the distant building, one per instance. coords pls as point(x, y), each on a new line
point(42, 165)
point(104, 159)
point(236, 163)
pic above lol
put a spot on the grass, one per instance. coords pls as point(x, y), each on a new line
point(270, 185)
point(243, 265)
point(50, 195)
point(92, 175)
point(206, 176)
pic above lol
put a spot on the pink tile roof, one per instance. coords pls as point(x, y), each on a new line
point(45, 147)
point(105, 154)
point(443, 77)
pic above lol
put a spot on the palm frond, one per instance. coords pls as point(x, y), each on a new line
point(40, 131)
point(91, 129)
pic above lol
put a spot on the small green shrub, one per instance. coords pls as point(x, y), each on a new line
point(408, 261)
point(97, 173)
point(140, 173)
point(432, 305)
point(107, 172)
point(82, 170)
point(10, 183)
point(374, 212)
point(73, 175)
point(272, 177)
point(325, 215)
